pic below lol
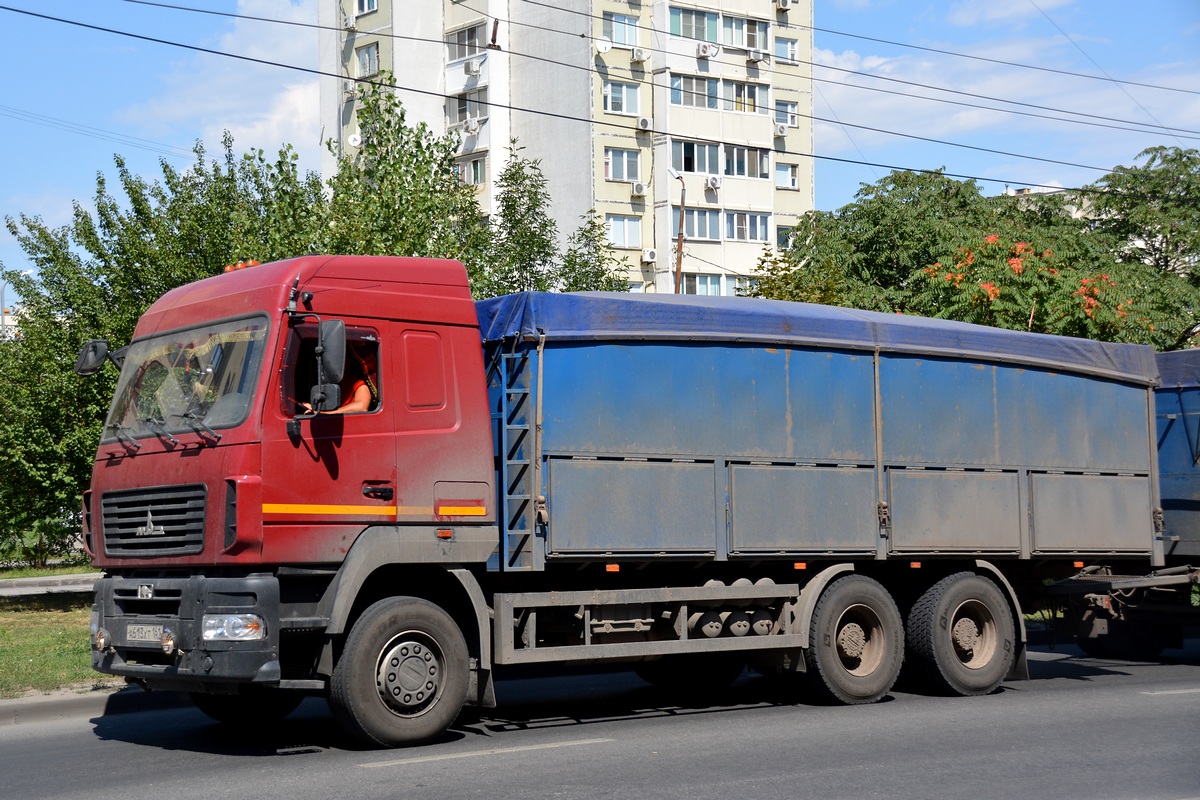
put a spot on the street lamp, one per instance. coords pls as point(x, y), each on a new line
point(3, 310)
point(679, 242)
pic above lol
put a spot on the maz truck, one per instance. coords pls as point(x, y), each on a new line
point(689, 485)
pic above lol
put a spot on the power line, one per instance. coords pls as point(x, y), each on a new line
point(547, 60)
point(95, 133)
point(1004, 63)
point(537, 112)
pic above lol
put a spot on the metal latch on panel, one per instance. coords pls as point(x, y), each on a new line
point(543, 516)
point(885, 518)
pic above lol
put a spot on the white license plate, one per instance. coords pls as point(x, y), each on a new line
point(144, 633)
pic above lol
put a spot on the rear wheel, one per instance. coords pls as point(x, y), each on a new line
point(961, 635)
point(250, 706)
point(856, 641)
point(402, 676)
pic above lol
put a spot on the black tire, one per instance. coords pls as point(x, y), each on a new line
point(249, 707)
point(961, 635)
point(856, 642)
point(693, 674)
point(402, 677)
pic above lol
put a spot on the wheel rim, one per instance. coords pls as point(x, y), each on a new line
point(973, 634)
point(408, 675)
point(859, 643)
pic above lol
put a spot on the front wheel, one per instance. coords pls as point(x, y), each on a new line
point(402, 676)
point(856, 641)
point(960, 632)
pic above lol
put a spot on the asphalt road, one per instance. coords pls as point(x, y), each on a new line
point(1083, 728)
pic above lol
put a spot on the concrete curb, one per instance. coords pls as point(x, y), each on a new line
point(53, 584)
point(66, 704)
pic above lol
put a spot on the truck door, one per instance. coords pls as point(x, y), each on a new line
point(327, 477)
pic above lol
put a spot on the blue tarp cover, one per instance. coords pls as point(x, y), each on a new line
point(604, 316)
point(1180, 368)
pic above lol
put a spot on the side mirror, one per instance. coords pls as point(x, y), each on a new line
point(331, 349)
point(91, 357)
point(325, 397)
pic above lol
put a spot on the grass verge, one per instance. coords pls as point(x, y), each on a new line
point(43, 572)
point(44, 645)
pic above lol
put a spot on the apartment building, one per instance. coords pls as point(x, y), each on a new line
point(650, 113)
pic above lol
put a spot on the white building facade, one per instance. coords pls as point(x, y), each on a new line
point(636, 110)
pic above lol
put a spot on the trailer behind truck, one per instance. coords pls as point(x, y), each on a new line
point(688, 485)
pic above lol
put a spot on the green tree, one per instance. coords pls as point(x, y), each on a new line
point(1152, 210)
point(524, 250)
point(590, 264)
point(400, 194)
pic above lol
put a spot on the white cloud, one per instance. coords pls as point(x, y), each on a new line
point(262, 105)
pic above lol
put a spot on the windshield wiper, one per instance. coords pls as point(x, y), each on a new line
point(124, 438)
point(156, 425)
point(197, 424)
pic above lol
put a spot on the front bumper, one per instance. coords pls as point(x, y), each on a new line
point(180, 603)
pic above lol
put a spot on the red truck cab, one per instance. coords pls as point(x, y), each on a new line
point(220, 506)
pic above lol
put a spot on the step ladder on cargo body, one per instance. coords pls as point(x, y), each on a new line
point(517, 423)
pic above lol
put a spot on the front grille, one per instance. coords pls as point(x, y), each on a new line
point(161, 521)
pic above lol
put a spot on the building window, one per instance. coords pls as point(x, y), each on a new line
point(367, 5)
point(620, 165)
point(472, 171)
point(695, 157)
point(783, 237)
point(620, 29)
point(746, 226)
point(750, 34)
point(747, 162)
point(701, 284)
point(624, 231)
point(786, 177)
point(464, 43)
point(787, 113)
point(749, 97)
point(736, 285)
point(368, 60)
point(470, 104)
point(786, 49)
point(698, 223)
point(691, 24)
point(687, 90)
point(620, 98)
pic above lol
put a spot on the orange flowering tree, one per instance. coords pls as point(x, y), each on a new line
point(1017, 285)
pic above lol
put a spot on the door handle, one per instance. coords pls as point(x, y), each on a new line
point(377, 492)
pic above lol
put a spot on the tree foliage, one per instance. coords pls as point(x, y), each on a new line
point(1153, 210)
point(930, 245)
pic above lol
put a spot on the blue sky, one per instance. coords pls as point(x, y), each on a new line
point(76, 96)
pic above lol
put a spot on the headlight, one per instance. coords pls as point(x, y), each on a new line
point(94, 622)
point(234, 627)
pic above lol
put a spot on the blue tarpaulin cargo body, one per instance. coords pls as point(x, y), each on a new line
point(1178, 405)
point(729, 428)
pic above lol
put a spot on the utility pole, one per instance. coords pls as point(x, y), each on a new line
point(679, 241)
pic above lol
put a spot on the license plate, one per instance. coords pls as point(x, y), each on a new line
point(144, 633)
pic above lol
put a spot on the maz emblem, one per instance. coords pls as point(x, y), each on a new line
point(150, 529)
point(145, 591)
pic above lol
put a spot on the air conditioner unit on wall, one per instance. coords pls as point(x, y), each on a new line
point(349, 87)
point(348, 22)
point(783, 5)
point(757, 56)
point(472, 66)
point(781, 129)
point(707, 50)
point(713, 182)
point(649, 255)
point(470, 125)
point(639, 55)
point(637, 189)
point(645, 124)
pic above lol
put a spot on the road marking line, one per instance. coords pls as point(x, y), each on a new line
point(493, 752)
point(1174, 691)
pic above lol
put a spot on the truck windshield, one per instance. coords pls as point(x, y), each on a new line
point(198, 379)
